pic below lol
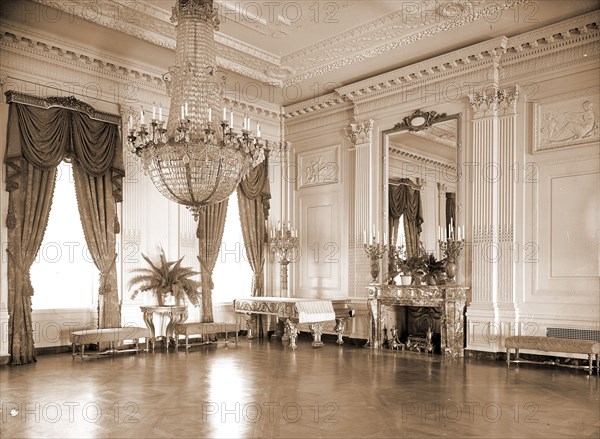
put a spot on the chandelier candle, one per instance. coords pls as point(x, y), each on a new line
point(192, 161)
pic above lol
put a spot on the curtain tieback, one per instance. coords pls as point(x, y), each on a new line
point(25, 274)
point(104, 283)
point(257, 284)
point(204, 269)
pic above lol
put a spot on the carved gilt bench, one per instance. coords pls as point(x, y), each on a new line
point(203, 329)
point(113, 336)
point(552, 344)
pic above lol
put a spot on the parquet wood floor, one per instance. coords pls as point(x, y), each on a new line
point(264, 390)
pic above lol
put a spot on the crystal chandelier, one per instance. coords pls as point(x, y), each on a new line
point(194, 161)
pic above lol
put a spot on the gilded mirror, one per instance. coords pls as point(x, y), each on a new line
point(421, 182)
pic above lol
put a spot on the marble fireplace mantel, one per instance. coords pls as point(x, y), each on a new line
point(449, 299)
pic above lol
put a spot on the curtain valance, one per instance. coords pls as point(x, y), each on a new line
point(44, 136)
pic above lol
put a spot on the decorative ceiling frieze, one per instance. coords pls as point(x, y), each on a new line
point(379, 36)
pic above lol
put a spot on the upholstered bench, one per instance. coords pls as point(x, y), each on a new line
point(202, 329)
point(553, 344)
point(111, 336)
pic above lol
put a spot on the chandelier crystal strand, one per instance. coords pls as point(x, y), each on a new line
point(200, 160)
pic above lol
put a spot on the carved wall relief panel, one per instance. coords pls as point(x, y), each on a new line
point(319, 167)
point(567, 120)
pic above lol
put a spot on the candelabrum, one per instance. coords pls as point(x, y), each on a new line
point(451, 249)
point(144, 134)
point(283, 242)
point(375, 252)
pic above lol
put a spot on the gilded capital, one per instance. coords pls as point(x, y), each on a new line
point(360, 132)
point(486, 102)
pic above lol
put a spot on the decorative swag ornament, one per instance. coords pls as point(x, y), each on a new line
point(195, 161)
point(41, 133)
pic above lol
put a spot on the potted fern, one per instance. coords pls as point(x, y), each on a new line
point(168, 280)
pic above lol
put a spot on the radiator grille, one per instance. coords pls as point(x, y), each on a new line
point(579, 334)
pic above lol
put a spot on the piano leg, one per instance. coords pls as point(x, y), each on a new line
point(340, 325)
point(286, 334)
point(292, 332)
point(317, 330)
point(250, 325)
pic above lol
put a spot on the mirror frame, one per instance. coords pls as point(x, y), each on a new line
point(409, 124)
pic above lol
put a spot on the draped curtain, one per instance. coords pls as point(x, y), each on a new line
point(404, 200)
point(254, 196)
point(211, 224)
point(38, 140)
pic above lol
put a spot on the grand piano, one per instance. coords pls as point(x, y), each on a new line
point(295, 311)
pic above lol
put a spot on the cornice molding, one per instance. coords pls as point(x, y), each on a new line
point(400, 153)
point(325, 102)
point(556, 37)
point(465, 59)
point(563, 30)
point(20, 40)
point(397, 29)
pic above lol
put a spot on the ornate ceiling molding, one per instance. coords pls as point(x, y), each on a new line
point(327, 101)
point(50, 53)
point(384, 34)
point(459, 61)
point(14, 39)
point(395, 30)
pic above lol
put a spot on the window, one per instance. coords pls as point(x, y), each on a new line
point(63, 274)
point(232, 275)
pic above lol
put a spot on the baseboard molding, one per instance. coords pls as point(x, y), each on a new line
point(4, 360)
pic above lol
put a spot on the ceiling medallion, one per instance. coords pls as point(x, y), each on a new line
point(453, 8)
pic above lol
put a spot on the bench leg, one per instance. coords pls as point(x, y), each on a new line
point(508, 357)
point(591, 363)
